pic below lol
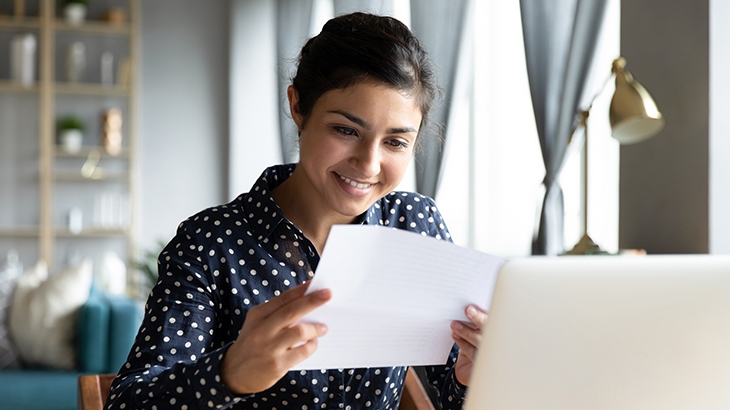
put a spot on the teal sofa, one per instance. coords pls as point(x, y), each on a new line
point(106, 327)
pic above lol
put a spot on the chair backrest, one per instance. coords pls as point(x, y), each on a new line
point(414, 394)
point(93, 390)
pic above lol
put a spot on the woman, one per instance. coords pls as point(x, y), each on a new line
point(360, 98)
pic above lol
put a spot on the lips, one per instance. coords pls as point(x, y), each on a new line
point(355, 184)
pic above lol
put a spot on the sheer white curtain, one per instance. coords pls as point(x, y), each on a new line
point(254, 97)
point(499, 162)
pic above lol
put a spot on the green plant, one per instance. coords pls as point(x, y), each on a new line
point(71, 123)
point(148, 265)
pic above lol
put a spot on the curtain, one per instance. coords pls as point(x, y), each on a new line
point(293, 20)
point(438, 25)
point(560, 38)
point(381, 7)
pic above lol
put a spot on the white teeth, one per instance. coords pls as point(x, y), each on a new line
point(353, 183)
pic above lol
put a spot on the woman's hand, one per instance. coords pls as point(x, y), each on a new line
point(271, 342)
point(468, 336)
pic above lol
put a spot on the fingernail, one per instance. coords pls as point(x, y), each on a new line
point(471, 311)
point(323, 328)
point(457, 325)
point(323, 294)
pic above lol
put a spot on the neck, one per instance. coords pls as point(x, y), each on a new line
point(312, 218)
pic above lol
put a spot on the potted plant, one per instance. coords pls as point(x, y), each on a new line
point(75, 11)
point(147, 267)
point(71, 133)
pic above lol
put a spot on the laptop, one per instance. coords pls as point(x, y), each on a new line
point(606, 332)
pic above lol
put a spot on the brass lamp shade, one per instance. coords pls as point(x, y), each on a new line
point(633, 114)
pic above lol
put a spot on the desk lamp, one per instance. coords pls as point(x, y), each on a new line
point(634, 117)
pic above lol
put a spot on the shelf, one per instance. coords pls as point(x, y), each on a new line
point(85, 151)
point(71, 176)
point(63, 232)
point(16, 87)
point(60, 181)
point(94, 27)
point(92, 89)
point(20, 232)
point(25, 23)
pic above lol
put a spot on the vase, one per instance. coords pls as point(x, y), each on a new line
point(112, 131)
point(23, 50)
point(107, 68)
point(75, 61)
point(71, 140)
point(75, 13)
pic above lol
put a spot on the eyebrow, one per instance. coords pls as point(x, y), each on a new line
point(364, 124)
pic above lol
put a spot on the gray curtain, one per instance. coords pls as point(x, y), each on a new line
point(560, 38)
point(438, 25)
point(381, 7)
point(293, 20)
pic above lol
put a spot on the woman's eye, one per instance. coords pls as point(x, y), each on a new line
point(397, 143)
point(346, 131)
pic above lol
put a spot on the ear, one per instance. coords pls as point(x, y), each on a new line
point(293, 95)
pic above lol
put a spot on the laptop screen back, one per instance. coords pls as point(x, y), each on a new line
point(603, 332)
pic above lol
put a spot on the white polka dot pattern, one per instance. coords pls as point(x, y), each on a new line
point(222, 262)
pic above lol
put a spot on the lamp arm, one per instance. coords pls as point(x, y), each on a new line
point(584, 113)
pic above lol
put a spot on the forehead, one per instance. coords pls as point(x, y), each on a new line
point(370, 98)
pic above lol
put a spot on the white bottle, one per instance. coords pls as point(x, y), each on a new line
point(107, 68)
point(23, 59)
point(113, 274)
point(75, 220)
point(75, 61)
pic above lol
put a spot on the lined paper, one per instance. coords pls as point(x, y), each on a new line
point(394, 295)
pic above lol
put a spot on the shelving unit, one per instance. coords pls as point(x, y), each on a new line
point(56, 181)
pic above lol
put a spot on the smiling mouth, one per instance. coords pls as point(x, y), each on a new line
point(355, 184)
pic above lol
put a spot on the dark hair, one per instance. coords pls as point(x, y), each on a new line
point(361, 47)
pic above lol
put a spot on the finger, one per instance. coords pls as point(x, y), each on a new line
point(296, 354)
point(302, 332)
point(266, 309)
point(290, 313)
point(465, 348)
point(470, 335)
point(476, 315)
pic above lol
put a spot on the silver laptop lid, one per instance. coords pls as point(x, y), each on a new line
point(603, 332)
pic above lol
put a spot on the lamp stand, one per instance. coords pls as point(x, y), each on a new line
point(585, 245)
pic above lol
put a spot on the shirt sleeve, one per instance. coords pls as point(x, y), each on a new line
point(174, 362)
point(449, 392)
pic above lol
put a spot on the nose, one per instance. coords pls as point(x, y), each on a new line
point(367, 159)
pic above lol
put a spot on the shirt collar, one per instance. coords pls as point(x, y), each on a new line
point(264, 215)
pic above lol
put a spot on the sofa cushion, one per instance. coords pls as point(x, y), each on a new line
point(38, 389)
point(44, 312)
point(93, 335)
point(126, 317)
point(107, 325)
point(9, 274)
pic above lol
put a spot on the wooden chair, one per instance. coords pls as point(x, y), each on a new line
point(414, 394)
point(94, 388)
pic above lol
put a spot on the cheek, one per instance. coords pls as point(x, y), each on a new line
point(397, 166)
point(318, 149)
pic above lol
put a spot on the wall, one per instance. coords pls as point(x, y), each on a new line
point(664, 181)
point(719, 127)
point(183, 112)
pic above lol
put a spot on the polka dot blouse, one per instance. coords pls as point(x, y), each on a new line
point(222, 262)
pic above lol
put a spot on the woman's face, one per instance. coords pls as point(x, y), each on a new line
point(356, 144)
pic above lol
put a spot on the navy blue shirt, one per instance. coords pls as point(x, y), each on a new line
point(227, 259)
